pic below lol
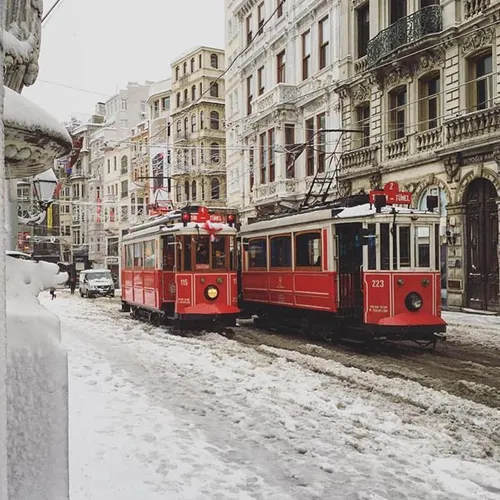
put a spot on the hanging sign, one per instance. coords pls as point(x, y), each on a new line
point(392, 195)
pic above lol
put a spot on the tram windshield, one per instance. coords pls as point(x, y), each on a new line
point(408, 245)
point(200, 253)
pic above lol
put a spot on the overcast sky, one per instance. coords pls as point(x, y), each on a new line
point(100, 45)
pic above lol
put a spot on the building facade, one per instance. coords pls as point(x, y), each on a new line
point(280, 93)
point(420, 78)
point(157, 181)
point(197, 117)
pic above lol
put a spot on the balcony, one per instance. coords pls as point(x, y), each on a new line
point(479, 126)
point(276, 190)
point(278, 96)
point(407, 30)
point(474, 7)
point(359, 161)
point(181, 137)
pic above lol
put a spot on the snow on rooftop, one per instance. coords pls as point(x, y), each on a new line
point(368, 209)
point(22, 113)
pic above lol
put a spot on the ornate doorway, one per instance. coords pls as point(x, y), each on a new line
point(481, 243)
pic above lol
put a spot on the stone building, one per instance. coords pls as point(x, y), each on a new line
point(197, 120)
point(279, 92)
point(420, 77)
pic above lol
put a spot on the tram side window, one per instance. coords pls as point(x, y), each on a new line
point(219, 253)
point(372, 247)
point(423, 246)
point(281, 251)
point(186, 248)
point(129, 256)
point(168, 253)
point(137, 254)
point(202, 252)
point(149, 254)
point(257, 254)
point(385, 259)
point(308, 250)
point(404, 246)
point(233, 254)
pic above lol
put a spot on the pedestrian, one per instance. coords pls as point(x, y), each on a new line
point(72, 286)
point(53, 293)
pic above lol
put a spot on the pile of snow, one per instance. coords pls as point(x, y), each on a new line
point(473, 329)
point(23, 114)
point(37, 386)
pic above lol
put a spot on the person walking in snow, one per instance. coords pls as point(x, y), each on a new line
point(72, 286)
point(53, 293)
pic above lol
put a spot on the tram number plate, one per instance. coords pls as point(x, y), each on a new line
point(378, 283)
point(183, 282)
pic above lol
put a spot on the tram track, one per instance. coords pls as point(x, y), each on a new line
point(469, 372)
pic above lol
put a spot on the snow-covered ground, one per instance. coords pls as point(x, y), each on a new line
point(478, 329)
point(155, 416)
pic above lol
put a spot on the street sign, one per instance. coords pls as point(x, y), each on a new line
point(392, 195)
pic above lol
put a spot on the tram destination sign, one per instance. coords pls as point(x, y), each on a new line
point(393, 195)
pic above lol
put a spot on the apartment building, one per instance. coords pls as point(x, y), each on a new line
point(420, 78)
point(138, 187)
point(157, 182)
point(279, 93)
point(197, 116)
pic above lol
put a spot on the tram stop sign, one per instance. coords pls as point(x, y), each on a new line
point(392, 195)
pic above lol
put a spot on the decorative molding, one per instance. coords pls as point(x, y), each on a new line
point(345, 188)
point(376, 180)
point(361, 93)
point(398, 75)
point(452, 167)
point(496, 156)
point(429, 61)
point(477, 40)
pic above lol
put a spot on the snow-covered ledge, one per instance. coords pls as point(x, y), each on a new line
point(33, 138)
point(37, 386)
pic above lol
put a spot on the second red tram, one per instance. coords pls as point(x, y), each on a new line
point(346, 269)
point(180, 269)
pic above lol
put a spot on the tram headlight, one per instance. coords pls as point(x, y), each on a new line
point(211, 292)
point(414, 301)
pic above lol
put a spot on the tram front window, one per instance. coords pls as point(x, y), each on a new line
point(423, 246)
point(202, 256)
point(219, 253)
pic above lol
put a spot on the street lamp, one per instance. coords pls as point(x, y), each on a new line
point(44, 185)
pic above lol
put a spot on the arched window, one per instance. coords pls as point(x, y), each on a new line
point(193, 190)
point(192, 64)
point(178, 192)
point(179, 127)
point(214, 153)
point(201, 88)
point(214, 120)
point(186, 189)
point(124, 163)
point(186, 124)
point(185, 94)
point(193, 157)
point(202, 153)
point(185, 67)
point(193, 92)
point(215, 189)
point(214, 89)
point(201, 120)
point(193, 123)
point(214, 61)
point(178, 99)
point(177, 72)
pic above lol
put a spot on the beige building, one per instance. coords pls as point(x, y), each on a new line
point(197, 121)
point(420, 77)
point(139, 173)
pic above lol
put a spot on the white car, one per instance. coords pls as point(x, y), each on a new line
point(96, 282)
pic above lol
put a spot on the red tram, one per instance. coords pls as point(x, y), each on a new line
point(180, 269)
point(356, 267)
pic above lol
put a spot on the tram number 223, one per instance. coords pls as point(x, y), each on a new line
point(378, 283)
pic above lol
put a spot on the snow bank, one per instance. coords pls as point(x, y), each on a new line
point(37, 386)
point(21, 113)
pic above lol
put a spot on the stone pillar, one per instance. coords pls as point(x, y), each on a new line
point(456, 265)
point(3, 303)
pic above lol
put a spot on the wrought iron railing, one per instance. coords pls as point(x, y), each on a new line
point(409, 29)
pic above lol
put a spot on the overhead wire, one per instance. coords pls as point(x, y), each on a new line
point(46, 17)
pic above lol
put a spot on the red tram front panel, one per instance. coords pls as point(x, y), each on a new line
point(305, 290)
point(386, 294)
point(193, 296)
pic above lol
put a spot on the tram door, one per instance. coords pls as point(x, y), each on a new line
point(350, 260)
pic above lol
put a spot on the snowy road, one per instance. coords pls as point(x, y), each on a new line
point(161, 417)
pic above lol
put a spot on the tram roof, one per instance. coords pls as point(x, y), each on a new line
point(338, 214)
point(179, 227)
